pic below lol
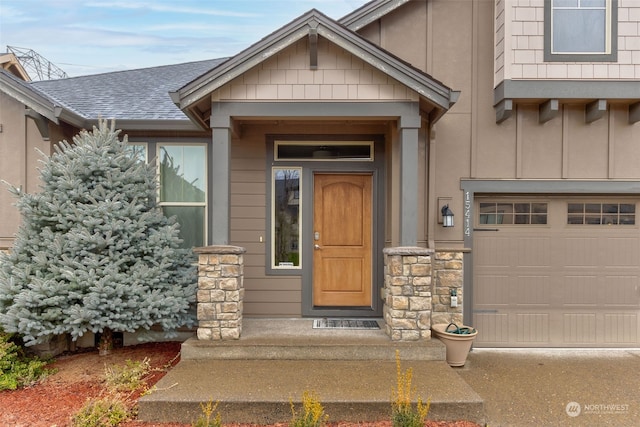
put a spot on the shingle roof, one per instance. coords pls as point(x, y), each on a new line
point(141, 94)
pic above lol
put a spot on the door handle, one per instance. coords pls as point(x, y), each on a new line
point(316, 247)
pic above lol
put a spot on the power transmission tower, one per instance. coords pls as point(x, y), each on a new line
point(36, 64)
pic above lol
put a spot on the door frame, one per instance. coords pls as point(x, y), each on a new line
point(377, 242)
point(309, 168)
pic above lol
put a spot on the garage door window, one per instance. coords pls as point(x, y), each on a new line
point(601, 214)
point(508, 213)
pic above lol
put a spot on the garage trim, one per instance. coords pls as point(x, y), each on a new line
point(469, 187)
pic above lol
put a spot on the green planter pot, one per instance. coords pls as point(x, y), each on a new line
point(457, 340)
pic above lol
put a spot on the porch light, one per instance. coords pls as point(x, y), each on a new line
point(447, 216)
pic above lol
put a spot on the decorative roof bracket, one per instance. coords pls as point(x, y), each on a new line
point(595, 110)
point(503, 110)
point(634, 113)
point(313, 48)
point(41, 123)
point(548, 110)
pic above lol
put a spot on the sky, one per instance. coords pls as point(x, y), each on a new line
point(96, 36)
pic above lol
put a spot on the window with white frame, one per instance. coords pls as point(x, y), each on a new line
point(286, 218)
point(580, 30)
point(183, 189)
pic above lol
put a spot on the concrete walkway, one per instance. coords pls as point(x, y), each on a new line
point(562, 387)
point(354, 372)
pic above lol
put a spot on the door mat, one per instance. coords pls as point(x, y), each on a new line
point(344, 324)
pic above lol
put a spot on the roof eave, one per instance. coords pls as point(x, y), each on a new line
point(149, 124)
point(432, 90)
point(236, 66)
point(30, 98)
point(369, 13)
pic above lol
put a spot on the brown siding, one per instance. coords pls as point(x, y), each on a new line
point(459, 41)
point(20, 141)
point(540, 146)
point(625, 150)
point(264, 295)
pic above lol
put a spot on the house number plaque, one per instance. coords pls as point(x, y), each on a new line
point(467, 214)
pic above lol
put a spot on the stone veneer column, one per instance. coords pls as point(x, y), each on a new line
point(407, 293)
point(448, 275)
point(220, 292)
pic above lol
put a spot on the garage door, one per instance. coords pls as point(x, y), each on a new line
point(556, 272)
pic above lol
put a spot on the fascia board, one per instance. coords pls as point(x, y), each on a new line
point(566, 89)
point(28, 97)
point(151, 125)
point(70, 117)
point(428, 88)
point(369, 13)
point(196, 90)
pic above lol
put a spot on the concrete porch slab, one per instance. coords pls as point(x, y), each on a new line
point(295, 339)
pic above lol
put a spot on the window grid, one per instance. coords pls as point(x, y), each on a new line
point(513, 213)
point(601, 214)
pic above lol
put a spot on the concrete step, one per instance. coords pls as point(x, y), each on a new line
point(260, 391)
point(295, 339)
point(275, 361)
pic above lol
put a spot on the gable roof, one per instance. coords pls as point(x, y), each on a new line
point(314, 22)
point(28, 95)
point(135, 98)
point(9, 62)
point(138, 99)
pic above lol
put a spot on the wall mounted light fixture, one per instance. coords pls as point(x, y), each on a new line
point(447, 216)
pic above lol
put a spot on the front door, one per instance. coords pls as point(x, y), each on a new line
point(342, 227)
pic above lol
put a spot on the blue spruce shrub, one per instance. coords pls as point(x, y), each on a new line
point(94, 252)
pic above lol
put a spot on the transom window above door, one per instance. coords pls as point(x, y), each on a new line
point(324, 150)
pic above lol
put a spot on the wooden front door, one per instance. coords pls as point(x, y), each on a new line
point(342, 226)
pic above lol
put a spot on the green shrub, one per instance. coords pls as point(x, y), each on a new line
point(403, 413)
point(208, 419)
point(114, 406)
point(107, 411)
point(312, 414)
point(16, 369)
point(127, 378)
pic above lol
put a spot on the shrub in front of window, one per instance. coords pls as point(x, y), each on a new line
point(94, 253)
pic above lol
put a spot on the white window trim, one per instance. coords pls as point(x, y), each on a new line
point(273, 265)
